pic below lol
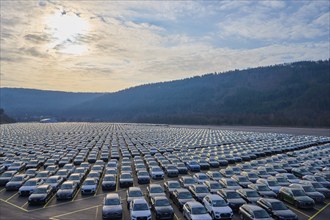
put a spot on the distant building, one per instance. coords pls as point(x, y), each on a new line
point(48, 120)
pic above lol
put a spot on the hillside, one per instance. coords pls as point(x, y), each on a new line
point(4, 118)
point(294, 94)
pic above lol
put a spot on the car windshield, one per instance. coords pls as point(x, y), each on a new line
point(67, 186)
point(272, 183)
point(278, 206)
point(185, 195)
point(253, 175)
point(89, 182)
point(126, 176)
point(291, 177)
point(231, 183)
point(40, 190)
point(219, 203)
point(143, 174)
point(42, 174)
point(309, 189)
point(189, 181)
point(298, 193)
point(140, 207)
point(75, 177)
point(252, 194)
point(216, 175)
point(193, 163)
point(174, 185)
point(6, 175)
point(30, 183)
point(135, 193)
point(263, 172)
point(17, 178)
point(202, 177)
point(215, 186)
point(156, 190)
point(198, 211)
point(162, 202)
point(109, 178)
point(201, 190)
point(263, 188)
point(30, 172)
point(320, 179)
point(156, 169)
point(260, 214)
point(281, 180)
point(51, 180)
point(112, 202)
point(317, 185)
point(233, 195)
point(243, 179)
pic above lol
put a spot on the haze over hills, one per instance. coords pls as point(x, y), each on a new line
point(294, 94)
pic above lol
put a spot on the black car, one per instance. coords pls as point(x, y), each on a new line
point(250, 195)
point(109, 182)
point(233, 199)
point(162, 207)
point(181, 196)
point(277, 209)
point(182, 168)
point(251, 212)
point(170, 186)
point(199, 191)
point(41, 195)
point(171, 170)
point(67, 190)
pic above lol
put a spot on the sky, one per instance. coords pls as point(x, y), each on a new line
point(107, 46)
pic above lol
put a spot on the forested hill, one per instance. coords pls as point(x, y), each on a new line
point(294, 94)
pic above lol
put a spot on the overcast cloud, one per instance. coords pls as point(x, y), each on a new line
point(111, 45)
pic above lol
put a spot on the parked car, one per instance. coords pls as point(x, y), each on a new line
point(155, 190)
point(112, 207)
point(29, 186)
point(193, 166)
point(317, 178)
point(140, 209)
point(233, 199)
point(250, 195)
point(296, 197)
point(272, 184)
point(213, 186)
point(77, 178)
point(67, 190)
point(229, 183)
point(55, 182)
point(156, 172)
point(199, 191)
point(17, 181)
point(32, 172)
point(89, 186)
point(200, 178)
point(6, 177)
point(170, 186)
point(187, 181)
point(217, 207)
point(282, 181)
point(317, 186)
point(251, 212)
point(241, 180)
point(310, 191)
point(300, 172)
point(290, 177)
point(133, 193)
point(143, 177)
point(277, 209)
point(251, 175)
point(214, 175)
point(195, 210)
point(162, 207)
point(41, 195)
point(109, 182)
point(171, 170)
point(125, 180)
point(181, 196)
point(263, 190)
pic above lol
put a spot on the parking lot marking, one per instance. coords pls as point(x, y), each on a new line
point(297, 210)
point(9, 203)
point(79, 210)
point(2, 189)
point(177, 218)
point(11, 197)
point(49, 200)
point(324, 207)
point(25, 204)
point(74, 197)
point(97, 210)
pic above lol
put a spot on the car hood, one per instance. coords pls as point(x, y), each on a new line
point(65, 191)
point(315, 194)
point(304, 198)
point(141, 213)
point(199, 217)
point(112, 208)
point(182, 201)
point(109, 182)
point(286, 213)
point(16, 183)
point(224, 209)
point(88, 187)
point(27, 188)
point(164, 209)
point(37, 196)
point(236, 201)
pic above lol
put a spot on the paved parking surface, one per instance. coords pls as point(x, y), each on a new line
point(12, 206)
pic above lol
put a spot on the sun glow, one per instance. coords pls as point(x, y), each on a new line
point(67, 30)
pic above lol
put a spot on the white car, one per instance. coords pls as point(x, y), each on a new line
point(139, 209)
point(156, 172)
point(195, 211)
point(217, 207)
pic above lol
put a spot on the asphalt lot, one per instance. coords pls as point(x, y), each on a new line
point(12, 206)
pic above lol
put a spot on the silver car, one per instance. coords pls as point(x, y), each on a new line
point(112, 207)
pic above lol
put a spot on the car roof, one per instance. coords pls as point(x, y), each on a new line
point(214, 197)
point(252, 207)
point(112, 196)
point(140, 201)
point(134, 188)
point(194, 204)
